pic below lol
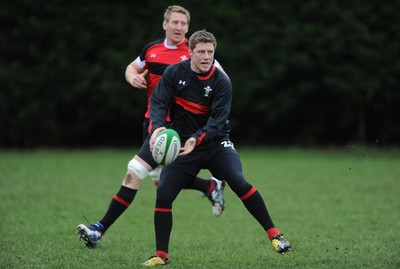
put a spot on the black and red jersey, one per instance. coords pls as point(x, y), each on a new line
point(156, 57)
point(199, 104)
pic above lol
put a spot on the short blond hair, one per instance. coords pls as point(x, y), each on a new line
point(202, 36)
point(177, 9)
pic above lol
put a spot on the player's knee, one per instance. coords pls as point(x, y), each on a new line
point(239, 186)
point(138, 168)
point(166, 194)
point(131, 180)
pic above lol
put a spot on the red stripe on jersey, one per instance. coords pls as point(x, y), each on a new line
point(247, 195)
point(121, 201)
point(200, 139)
point(159, 209)
point(150, 127)
point(209, 75)
point(191, 106)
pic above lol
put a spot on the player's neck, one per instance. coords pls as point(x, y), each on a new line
point(170, 43)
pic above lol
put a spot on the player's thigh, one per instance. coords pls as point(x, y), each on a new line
point(227, 166)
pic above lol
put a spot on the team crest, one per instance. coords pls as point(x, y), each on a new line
point(207, 91)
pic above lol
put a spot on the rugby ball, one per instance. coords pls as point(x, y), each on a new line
point(166, 147)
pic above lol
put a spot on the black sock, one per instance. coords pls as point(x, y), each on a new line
point(163, 224)
point(118, 205)
point(256, 206)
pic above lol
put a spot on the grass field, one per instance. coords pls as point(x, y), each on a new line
point(338, 208)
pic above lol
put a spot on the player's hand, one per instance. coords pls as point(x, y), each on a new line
point(189, 146)
point(139, 80)
point(154, 135)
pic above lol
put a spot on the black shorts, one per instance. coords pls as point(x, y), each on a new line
point(219, 157)
point(205, 157)
point(145, 153)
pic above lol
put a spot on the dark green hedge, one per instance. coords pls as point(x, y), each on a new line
point(304, 73)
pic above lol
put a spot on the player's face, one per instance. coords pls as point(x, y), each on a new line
point(202, 57)
point(176, 28)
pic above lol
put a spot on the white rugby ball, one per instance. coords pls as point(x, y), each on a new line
point(166, 147)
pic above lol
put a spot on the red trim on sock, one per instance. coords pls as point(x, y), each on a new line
point(247, 195)
point(121, 201)
point(272, 232)
point(212, 187)
point(159, 209)
point(162, 254)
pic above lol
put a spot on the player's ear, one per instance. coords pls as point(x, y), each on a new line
point(164, 25)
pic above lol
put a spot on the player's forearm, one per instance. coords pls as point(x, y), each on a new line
point(158, 113)
point(130, 73)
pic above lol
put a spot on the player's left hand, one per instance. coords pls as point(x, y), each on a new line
point(189, 146)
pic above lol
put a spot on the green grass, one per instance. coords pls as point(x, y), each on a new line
point(339, 209)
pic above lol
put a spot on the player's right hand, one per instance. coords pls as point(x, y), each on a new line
point(139, 80)
point(154, 135)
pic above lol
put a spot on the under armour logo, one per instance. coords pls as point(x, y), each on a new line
point(182, 82)
point(153, 55)
point(207, 91)
point(184, 58)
